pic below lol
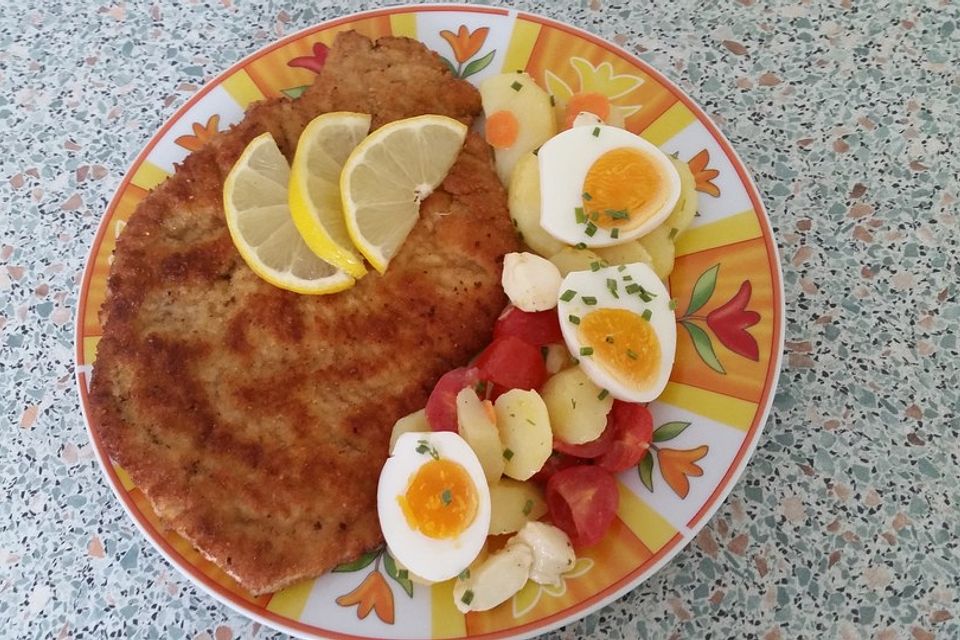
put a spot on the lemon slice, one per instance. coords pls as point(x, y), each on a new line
point(315, 186)
point(255, 201)
point(387, 176)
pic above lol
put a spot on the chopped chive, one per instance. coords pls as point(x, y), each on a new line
point(595, 216)
point(507, 454)
point(647, 314)
point(586, 351)
point(608, 339)
point(618, 215)
point(568, 295)
point(480, 388)
point(536, 151)
point(424, 447)
point(672, 304)
point(591, 229)
point(467, 597)
point(594, 266)
point(465, 574)
point(621, 269)
point(631, 354)
point(580, 245)
point(573, 403)
point(603, 394)
point(632, 288)
point(527, 507)
point(575, 361)
point(588, 300)
point(529, 421)
point(627, 278)
point(596, 132)
point(615, 232)
point(553, 101)
point(573, 319)
point(403, 574)
point(673, 233)
point(516, 86)
point(586, 196)
point(645, 295)
point(580, 215)
point(612, 287)
point(544, 351)
point(446, 497)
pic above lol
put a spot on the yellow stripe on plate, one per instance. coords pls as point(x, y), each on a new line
point(446, 620)
point(149, 175)
point(90, 349)
point(736, 228)
point(522, 41)
point(724, 409)
point(404, 24)
point(645, 523)
point(673, 121)
point(242, 88)
point(291, 602)
point(124, 477)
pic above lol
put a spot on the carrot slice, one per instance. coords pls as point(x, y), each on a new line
point(502, 129)
point(595, 103)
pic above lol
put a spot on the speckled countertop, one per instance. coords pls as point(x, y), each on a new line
point(846, 522)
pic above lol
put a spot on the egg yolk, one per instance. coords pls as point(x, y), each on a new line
point(623, 188)
point(624, 344)
point(441, 499)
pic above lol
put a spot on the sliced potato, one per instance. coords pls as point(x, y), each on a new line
point(523, 198)
point(682, 214)
point(525, 433)
point(416, 422)
point(513, 504)
point(573, 259)
point(626, 253)
point(519, 94)
point(577, 411)
point(480, 432)
point(660, 247)
point(557, 358)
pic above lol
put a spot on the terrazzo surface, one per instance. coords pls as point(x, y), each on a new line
point(845, 523)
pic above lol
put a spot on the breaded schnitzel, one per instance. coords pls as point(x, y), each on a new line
point(256, 420)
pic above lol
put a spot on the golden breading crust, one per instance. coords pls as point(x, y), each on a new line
point(256, 420)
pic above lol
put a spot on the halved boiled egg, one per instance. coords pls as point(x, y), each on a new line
point(602, 185)
point(434, 504)
point(619, 322)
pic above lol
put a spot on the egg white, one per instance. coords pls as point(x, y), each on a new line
point(662, 320)
point(565, 160)
point(432, 559)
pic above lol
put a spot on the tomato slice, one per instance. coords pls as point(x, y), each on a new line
point(537, 327)
point(632, 428)
point(512, 363)
point(442, 404)
point(583, 502)
point(592, 449)
point(557, 461)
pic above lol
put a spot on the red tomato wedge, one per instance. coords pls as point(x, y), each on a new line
point(583, 502)
point(592, 449)
point(537, 327)
point(442, 404)
point(632, 431)
point(512, 363)
point(556, 462)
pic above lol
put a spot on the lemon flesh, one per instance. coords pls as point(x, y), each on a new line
point(255, 201)
point(389, 174)
point(315, 186)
